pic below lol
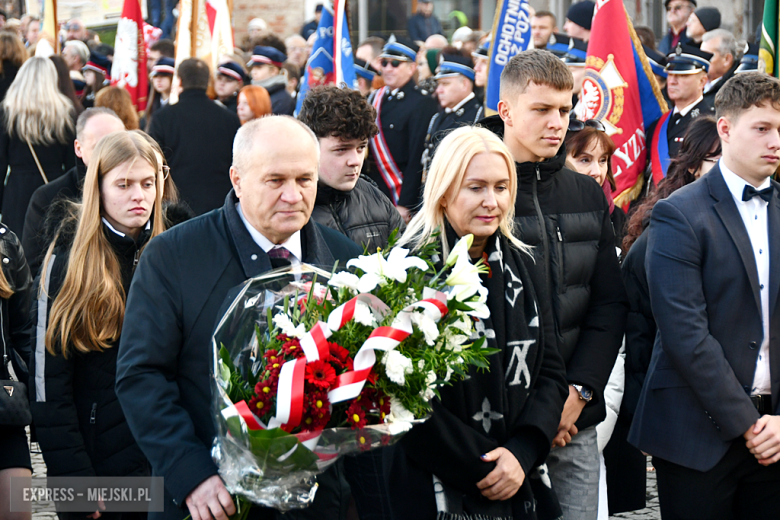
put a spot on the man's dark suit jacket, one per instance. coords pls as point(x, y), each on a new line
point(164, 362)
point(705, 297)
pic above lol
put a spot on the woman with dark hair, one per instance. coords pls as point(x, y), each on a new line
point(12, 55)
point(589, 151)
point(626, 466)
point(65, 84)
point(97, 73)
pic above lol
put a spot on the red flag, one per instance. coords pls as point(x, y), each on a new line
point(620, 90)
point(129, 68)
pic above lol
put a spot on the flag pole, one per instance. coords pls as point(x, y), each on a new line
point(194, 28)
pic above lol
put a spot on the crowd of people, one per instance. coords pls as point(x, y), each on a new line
point(621, 332)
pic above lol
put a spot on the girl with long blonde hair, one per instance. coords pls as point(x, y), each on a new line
point(36, 137)
point(489, 432)
point(82, 292)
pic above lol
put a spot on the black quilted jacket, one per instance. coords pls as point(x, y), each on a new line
point(364, 214)
point(79, 422)
point(565, 217)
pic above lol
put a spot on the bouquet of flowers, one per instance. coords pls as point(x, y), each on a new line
point(311, 365)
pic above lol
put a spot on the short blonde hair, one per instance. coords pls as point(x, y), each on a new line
point(448, 169)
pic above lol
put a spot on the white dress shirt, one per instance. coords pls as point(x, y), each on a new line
point(292, 244)
point(684, 112)
point(754, 216)
point(462, 102)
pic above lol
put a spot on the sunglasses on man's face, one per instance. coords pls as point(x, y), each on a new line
point(392, 63)
point(575, 125)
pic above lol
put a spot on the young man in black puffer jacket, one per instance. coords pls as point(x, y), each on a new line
point(564, 216)
point(343, 122)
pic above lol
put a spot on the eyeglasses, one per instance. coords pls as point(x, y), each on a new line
point(392, 63)
point(575, 125)
point(166, 172)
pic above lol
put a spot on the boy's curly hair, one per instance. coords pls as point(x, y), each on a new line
point(335, 112)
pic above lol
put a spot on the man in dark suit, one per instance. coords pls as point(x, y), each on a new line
point(182, 279)
point(687, 74)
point(707, 412)
point(403, 112)
point(196, 136)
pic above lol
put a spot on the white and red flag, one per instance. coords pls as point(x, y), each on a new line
point(129, 67)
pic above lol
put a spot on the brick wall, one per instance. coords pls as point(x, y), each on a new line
point(284, 17)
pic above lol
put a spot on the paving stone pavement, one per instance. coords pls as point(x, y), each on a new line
point(39, 470)
point(653, 510)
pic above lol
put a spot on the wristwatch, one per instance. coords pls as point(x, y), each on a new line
point(586, 394)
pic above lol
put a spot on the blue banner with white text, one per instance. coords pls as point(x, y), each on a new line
point(511, 35)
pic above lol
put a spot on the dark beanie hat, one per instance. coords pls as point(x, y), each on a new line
point(709, 17)
point(581, 13)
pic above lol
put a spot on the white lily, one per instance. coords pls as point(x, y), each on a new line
point(378, 270)
point(345, 279)
point(398, 263)
point(285, 324)
point(461, 249)
point(464, 279)
point(479, 308)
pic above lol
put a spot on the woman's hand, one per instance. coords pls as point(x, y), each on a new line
point(506, 478)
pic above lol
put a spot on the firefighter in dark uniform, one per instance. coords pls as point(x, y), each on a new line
point(459, 105)
point(687, 74)
point(403, 112)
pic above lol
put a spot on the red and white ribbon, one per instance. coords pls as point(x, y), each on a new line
point(290, 396)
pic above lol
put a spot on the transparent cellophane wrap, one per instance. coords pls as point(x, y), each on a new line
point(270, 467)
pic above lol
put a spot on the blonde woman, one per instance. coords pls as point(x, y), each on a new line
point(37, 130)
point(489, 433)
point(81, 303)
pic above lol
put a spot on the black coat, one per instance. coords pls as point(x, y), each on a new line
point(404, 118)
point(363, 214)
point(34, 239)
point(24, 177)
point(714, 89)
point(15, 311)
point(164, 364)
point(7, 77)
point(231, 103)
point(444, 121)
point(196, 136)
point(282, 103)
point(565, 217)
point(79, 422)
point(676, 132)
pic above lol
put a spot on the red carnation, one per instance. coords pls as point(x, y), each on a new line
point(320, 374)
point(356, 416)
